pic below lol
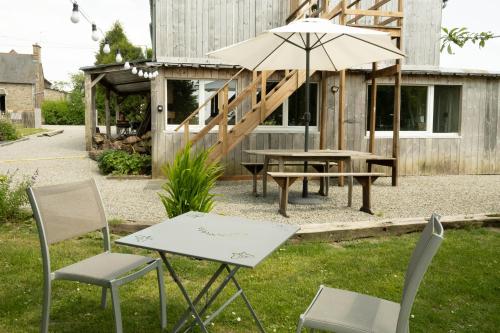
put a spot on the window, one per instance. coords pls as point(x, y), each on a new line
point(291, 112)
point(424, 109)
point(446, 109)
point(2, 104)
point(185, 96)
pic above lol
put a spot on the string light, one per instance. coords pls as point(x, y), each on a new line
point(95, 35)
point(75, 18)
point(140, 73)
point(134, 70)
point(127, 65)
point(106, 49)
point(118, 57)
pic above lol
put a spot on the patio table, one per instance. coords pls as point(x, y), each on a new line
point(318, 155)
point(233, 242)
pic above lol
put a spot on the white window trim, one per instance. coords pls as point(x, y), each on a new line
point(193, 128)
point(428, 133)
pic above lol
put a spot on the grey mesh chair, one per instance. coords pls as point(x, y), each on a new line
point(69, 210)
point(343, 311)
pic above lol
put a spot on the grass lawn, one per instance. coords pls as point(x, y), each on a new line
point(460, 293)
point(22, 132)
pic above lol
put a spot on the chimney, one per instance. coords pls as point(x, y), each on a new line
point(37, 53)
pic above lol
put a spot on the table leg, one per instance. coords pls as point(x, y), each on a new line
point(249, 306)
point(326, 184)
point(349, 168)
point(184, 292)
point(205, 289)
point(264, 176)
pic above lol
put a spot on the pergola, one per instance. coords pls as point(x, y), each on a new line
point(116, 80)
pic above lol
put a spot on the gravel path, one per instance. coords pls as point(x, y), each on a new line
point(62, 158)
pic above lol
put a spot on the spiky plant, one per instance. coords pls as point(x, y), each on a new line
point(189, 180)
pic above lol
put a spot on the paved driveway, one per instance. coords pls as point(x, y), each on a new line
point(62, 158)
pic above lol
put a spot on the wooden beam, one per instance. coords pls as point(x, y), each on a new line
point(88, 112)
point(323, 119)
point(387, 71)
point(366, 12)
point(97, 79)
point(373, 108)
point(263, 96)
point(376, 6)
point(388, 20)
point(107, 112)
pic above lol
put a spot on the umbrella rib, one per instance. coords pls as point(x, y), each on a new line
point(329, 58)
point(285, 40)
point(361, 39)
point(318, 41)
point(328, 41)
point(303, 41)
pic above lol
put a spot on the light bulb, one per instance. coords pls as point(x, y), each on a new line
point(155, 74)
point(140, 72)
point(118, 57)
point(127, 65)
point(145, 75)
point(106, 49)
point(75, 18)
point(95, 35)
point(134, 70)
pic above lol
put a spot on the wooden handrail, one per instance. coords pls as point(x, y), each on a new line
point(291, 17)
point(195, 112)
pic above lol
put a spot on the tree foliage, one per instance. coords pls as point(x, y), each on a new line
point(461, 36)
point(117, 40)
point(70, 111)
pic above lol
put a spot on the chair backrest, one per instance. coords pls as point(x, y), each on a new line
point(67, 210)
point(426, 248)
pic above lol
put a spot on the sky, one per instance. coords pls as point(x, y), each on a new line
point(67, 46)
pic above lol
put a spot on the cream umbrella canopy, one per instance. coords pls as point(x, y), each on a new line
point(310, 43)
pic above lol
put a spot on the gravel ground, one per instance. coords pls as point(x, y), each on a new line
point(62, 158)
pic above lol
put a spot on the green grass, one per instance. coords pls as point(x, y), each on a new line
point(22, 132)
point(460, 292)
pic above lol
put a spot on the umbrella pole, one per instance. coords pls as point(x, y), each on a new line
point(307, 116)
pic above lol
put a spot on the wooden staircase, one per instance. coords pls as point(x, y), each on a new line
point(291, 80)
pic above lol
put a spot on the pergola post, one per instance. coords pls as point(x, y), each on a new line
point(373, 109)
point(341, 144)
point(397, 106)
point(323, 119)
point(90, 116)
point(107, 112)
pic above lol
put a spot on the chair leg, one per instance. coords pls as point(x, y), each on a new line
point(300, 324)
point(46, 307)
point(163, 299)
point(115, 297)
point(103, 297)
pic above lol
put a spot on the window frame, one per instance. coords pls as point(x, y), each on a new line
point(193, 128)
point(428, 133)
point(285, 128)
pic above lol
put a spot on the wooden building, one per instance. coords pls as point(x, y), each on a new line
point(448, 119)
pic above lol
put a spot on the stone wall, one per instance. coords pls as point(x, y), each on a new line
point(54, 95)
point(18, 97)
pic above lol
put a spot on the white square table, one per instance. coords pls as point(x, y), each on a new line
point(234, 242)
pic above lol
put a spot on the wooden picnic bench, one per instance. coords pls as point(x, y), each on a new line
point(384, 161)
point(286, 179)
point(255, 168)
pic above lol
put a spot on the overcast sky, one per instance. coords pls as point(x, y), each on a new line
point(67, 46)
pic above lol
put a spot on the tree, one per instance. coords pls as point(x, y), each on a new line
point(117, 40)
point(461, 36)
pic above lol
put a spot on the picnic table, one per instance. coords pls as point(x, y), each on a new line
point(316, 155)
point(233, 242)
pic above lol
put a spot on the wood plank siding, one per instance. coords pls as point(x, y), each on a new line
point(186, 30)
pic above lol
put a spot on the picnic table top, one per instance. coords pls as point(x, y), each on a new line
point(313, 153)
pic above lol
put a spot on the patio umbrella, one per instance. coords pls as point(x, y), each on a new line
point(310, 44)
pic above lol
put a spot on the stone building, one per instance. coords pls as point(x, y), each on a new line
point(23, 86)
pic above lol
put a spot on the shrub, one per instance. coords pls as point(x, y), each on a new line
point(63, 112)
point(119, 162)
point(189, 181)
point(13, 197)
point(7, 131)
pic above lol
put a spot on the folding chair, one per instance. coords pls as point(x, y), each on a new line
point(70, 210)
point(343, 311)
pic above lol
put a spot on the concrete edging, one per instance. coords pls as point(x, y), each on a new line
point(335, 232)
point(8, 143)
